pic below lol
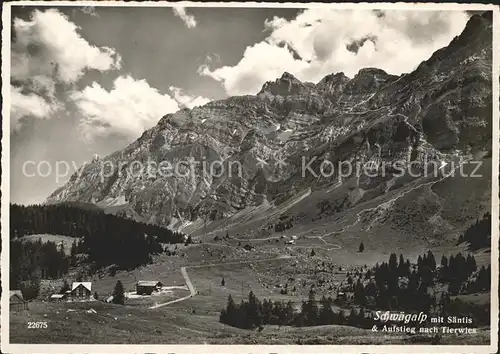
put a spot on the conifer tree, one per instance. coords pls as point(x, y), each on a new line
point(471, 264)
point(65, 287)
point(431, 261)
point(253, 310)
point(359, 294)
point(230, 315)
point(311, 310)
point(371, 289)
point(119, 294)
point(326, 315)
point(401, 265)
point(393, 263)
point(444, 261)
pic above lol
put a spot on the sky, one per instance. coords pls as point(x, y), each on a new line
point(88, 81)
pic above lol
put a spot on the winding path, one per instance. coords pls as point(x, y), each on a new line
point(386, 205)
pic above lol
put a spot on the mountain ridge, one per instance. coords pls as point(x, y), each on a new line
point(441, 110)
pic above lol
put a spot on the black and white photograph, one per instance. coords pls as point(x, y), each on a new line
point(227, 175)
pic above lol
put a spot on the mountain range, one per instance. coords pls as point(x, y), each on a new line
point(268, 150)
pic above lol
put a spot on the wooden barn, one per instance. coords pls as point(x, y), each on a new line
point(146, 287)
point(81, 290)
point(16, 301)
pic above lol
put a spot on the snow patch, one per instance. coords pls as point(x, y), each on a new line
point(179, 224)
point(443, 165)
point(108, 202)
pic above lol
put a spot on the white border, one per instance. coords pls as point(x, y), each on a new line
point(7, 347)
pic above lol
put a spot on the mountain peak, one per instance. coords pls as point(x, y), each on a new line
point(371, 72)
point(368, 80)
point(476, 35)
point(287, 76)
point(334, 77)
point(285, 85)
point(333, 83)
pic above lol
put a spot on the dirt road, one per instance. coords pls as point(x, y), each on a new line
point(192, 289)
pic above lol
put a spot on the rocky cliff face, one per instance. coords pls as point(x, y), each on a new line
point(438, 112)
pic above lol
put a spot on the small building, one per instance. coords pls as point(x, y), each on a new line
point(341, 295)
point(248, 247)
point(58, 297)
point(16, 301)
point(81, 290)
point(146, 287)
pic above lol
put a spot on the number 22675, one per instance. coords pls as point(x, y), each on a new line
point(37, 325)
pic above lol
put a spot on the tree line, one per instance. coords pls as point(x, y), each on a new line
point(398, 285)
point(478, 235)
point(106, 238)
point(393, 285)
point(253, 313)
point(32, 261)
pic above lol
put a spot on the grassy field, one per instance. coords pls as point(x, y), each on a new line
point(195, 320)
point(165, 269)
point(71, 323)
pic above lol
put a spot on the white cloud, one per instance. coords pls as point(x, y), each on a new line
point(186, 100)
point(48, 51)
point(189, 20)
point(30, 104)
point(314, 44)
point(131, 107)
point(50, 45)
point(261, 62)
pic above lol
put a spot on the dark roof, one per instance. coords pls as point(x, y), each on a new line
point(16, 297)
point(16, 292)
point(149, 283)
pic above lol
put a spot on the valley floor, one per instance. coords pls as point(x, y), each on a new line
point(190, 313)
